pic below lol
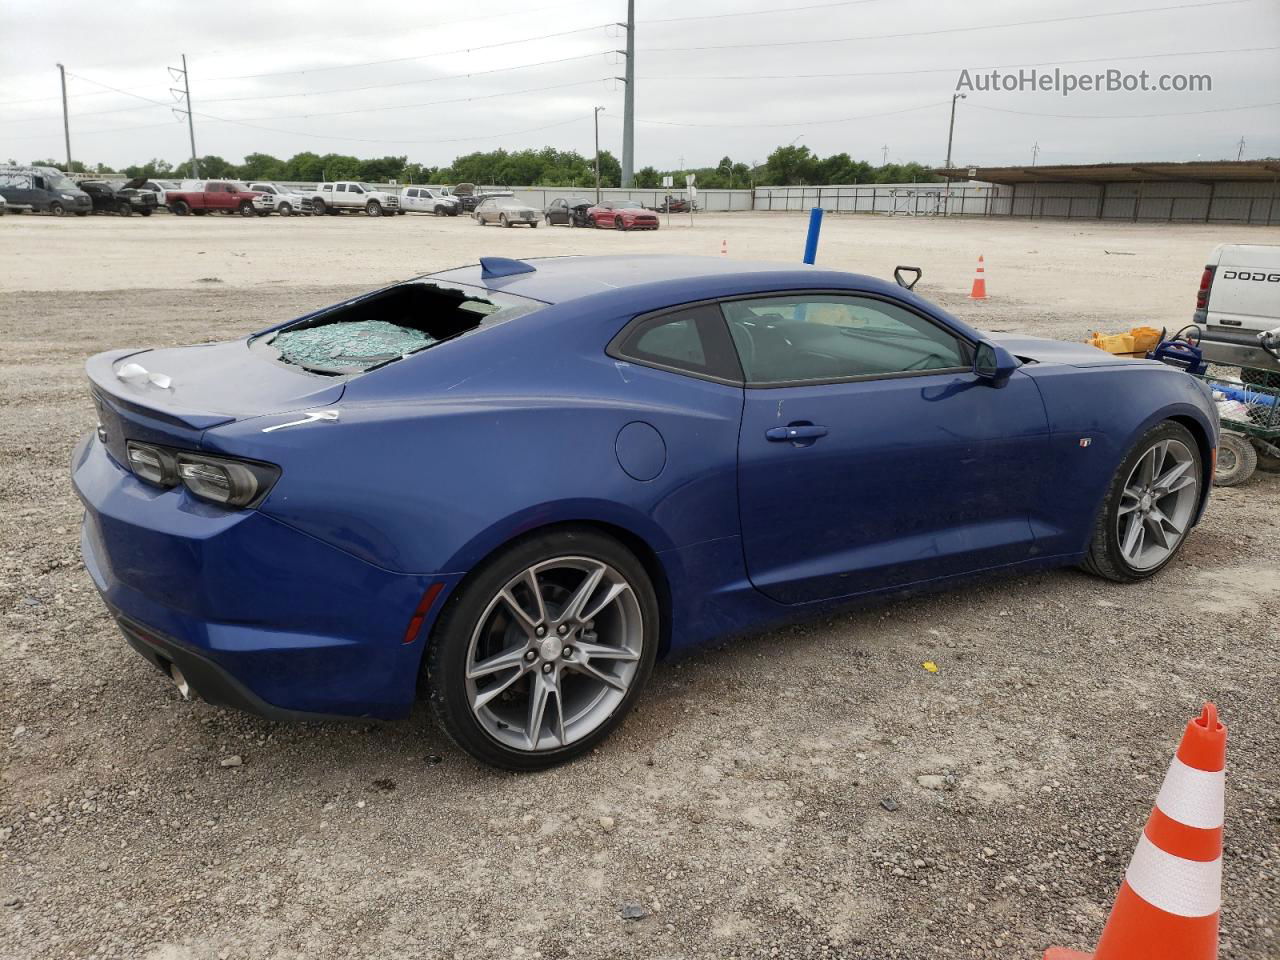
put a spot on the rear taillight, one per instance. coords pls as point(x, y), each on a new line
point(1206, 283)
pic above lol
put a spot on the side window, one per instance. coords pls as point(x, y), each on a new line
point(356, 188)
point(693, 340)
point(38, 182)
point(819, 337)
point(411, 192)
point(341, 188)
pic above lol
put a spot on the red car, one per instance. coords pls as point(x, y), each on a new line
point(622, 215)
point(212, 196)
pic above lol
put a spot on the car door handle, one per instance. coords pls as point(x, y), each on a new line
point(796, 431)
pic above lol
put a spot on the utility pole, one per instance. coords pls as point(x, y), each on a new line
point(1035, 152)
point(629, 99)
point(951, 130)
point(597, 117)
point(186, 96)
point(884, 155)
point(1239, 152)
point(66, 123)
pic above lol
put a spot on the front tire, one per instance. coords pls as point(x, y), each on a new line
point(125, 209)
point(246, 209)
point(1150, 504)
point(373, 208)
point(285, 210)
point(57, 209)
point(543, 650)
point(503, 221)
point(317, 207)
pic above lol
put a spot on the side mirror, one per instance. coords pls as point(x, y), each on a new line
point(994, 364)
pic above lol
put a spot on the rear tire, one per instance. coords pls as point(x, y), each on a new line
point(598, 664)
point(125, 208)
point(180, 208)
point(618, 224)
point(1237, 460)
point(1166, 456)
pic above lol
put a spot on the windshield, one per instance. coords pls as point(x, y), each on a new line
point(60, 182)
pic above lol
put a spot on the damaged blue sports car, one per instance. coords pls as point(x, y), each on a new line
point(510, 487)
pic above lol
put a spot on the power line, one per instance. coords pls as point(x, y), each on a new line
point(798, 123)
point(756, 13)
point(997, 66)
point(948, 30)
point(424, 56)
point(407, 83)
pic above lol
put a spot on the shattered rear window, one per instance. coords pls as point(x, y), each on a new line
point(386, 326)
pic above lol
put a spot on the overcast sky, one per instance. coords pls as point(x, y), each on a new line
point(714, 77)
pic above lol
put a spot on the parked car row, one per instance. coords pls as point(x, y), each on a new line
point(608, 214)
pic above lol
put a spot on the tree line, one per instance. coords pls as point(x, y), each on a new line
point(786, 166)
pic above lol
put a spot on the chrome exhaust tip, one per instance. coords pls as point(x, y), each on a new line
point(180, 681)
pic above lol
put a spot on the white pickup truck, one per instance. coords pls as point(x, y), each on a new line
point(1238, 308)
point(276, 199)
point(349, 195)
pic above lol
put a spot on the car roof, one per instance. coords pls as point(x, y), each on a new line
point(562, 279)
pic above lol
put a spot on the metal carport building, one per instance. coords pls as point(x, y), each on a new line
point(1198, 192)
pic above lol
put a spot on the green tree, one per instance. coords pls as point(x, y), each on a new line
point(261, 166)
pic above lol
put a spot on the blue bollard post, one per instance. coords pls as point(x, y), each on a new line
point(811, 241)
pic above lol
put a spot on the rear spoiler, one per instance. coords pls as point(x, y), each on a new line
point(144, 395)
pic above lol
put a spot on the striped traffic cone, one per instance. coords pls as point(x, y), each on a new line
point(1167, 907)
point(979, 291)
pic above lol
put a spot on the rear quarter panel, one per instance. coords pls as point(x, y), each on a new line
point(515, 433)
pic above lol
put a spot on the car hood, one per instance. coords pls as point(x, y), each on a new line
point(1044, 350)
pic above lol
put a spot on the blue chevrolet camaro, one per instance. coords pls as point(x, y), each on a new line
point(510, 487)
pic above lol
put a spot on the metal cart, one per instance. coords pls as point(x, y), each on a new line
point(1250, 415)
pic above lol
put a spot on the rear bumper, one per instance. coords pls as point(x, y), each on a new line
point(1237, 349)
point(256, 614)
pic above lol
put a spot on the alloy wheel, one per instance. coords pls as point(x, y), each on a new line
point(1157, 504)
point(554, 653)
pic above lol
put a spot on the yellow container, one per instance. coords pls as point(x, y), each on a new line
point(1144, 338)
point(1113, 342)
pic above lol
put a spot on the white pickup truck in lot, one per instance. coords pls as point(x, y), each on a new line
point(1238, 308)
point(349, 195)
point(276, 199)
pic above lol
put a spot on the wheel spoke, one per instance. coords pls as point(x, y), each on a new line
point(539, 692)
point(1133, 538)
point(573, 609)
point(498, 689)
point(1129, 499)
point(1158, 536)
point(587, 668)
point(612, 594)
point(598, 651)
point(513, 657)
point(530, 579)
point(527, 623)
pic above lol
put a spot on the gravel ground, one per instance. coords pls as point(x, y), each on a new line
point(808, 793)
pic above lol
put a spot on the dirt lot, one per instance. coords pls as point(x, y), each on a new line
point(740, 808)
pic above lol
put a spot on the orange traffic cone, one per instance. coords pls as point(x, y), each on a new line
point(724, 248)
point(979, 291)
point(1167, 907)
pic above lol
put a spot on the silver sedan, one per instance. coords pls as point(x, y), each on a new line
point(506, 211)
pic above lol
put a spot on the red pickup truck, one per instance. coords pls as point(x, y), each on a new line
point(212, 196)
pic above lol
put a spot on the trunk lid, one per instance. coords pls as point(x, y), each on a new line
point(173, 395)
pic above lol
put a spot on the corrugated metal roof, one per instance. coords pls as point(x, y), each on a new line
point(1195, 172)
